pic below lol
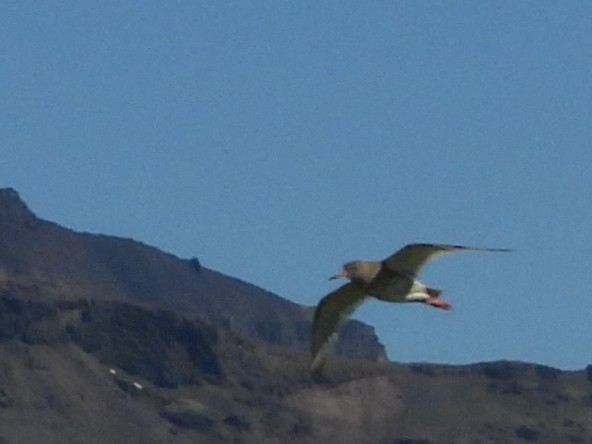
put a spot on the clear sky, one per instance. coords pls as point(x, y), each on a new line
point(277, 140)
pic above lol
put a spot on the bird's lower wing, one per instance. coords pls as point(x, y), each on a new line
point(413, 257)
point(329, 315)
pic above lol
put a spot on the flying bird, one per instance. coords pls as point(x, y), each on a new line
point(392, 280)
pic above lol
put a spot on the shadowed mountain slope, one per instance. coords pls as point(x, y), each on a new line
point(42, 259)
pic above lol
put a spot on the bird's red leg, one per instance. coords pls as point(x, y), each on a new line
point(438, 303)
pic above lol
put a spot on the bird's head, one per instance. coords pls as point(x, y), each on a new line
point(358, 271)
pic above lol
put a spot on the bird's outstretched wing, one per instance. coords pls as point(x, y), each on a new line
point(413, 257)
point(332, 310)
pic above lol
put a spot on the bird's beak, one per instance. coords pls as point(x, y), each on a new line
point(338, 275)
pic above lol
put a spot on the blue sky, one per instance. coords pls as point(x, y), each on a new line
point(277, 140)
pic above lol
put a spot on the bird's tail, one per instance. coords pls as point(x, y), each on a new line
point(433, 292)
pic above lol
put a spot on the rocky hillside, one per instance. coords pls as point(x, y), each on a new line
point(91, 372)
point(106, 340)
point(40, 259)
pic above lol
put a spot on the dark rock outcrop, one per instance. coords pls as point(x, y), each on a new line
point(156, 345)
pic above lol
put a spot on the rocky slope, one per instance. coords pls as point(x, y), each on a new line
point(40, 259)
point(109, 371)
point(106, 340)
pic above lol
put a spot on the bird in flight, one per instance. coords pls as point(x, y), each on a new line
point(392, 280)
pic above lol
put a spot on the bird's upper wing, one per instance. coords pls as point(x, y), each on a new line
point(413, 257)
point(332, 310)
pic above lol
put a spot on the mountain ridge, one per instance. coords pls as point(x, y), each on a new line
point(38, 257)
point(106, 339)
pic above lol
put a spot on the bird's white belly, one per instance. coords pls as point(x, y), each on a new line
point(399, 290)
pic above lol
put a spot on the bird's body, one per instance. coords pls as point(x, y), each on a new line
point(392, 280)
point(391, 286)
